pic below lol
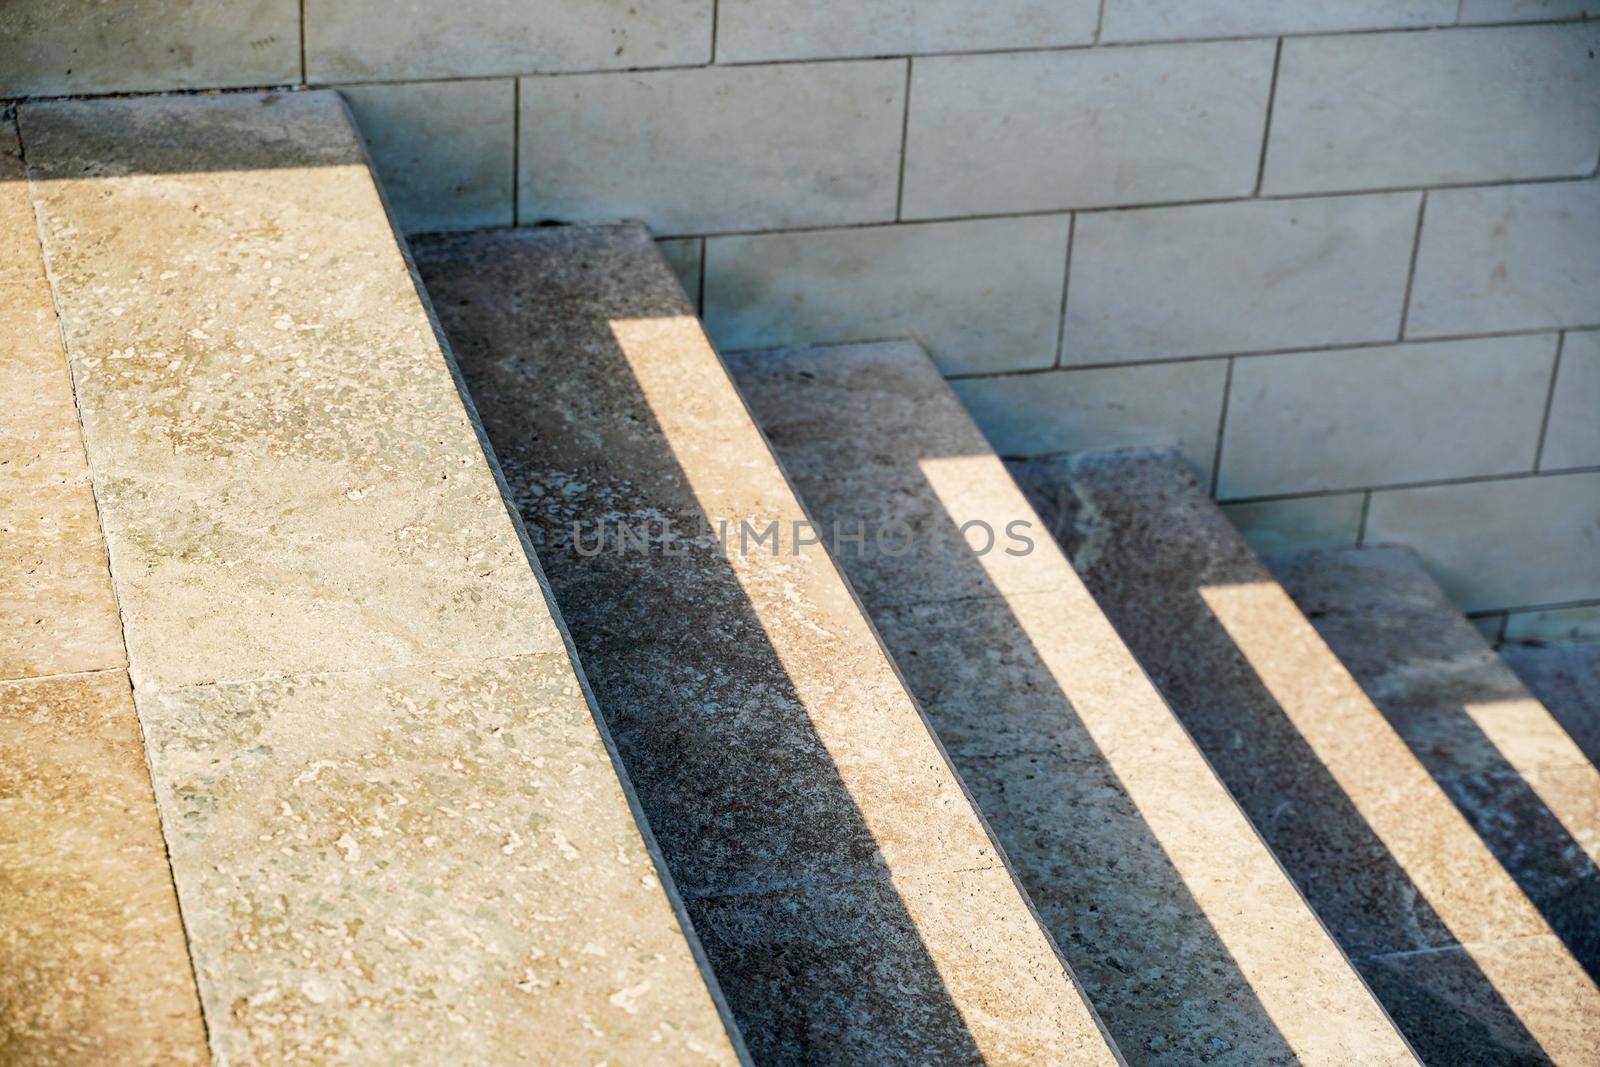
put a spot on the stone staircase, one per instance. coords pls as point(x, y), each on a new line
point(437, 663)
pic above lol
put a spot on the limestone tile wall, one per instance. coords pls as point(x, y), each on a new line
point(1222, 224)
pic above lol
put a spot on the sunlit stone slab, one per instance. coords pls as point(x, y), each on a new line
point(395, 829)
point(286, 475)
point(93, 967)
point(396, 864)
point(57, 614)
point(1358, 814)
point(1186, 934)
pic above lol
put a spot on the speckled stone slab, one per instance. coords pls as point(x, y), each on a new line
point(1520, 778)
point(92, 961)
point(1189, 939)
point(286, 475)
point(802, 804)
point(396, 830)
point(1565, 678)
point(57, 614)
point(420, 864)
point(1384, 855)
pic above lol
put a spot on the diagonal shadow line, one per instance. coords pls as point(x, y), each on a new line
point(1161, 978)
point(1427, 686)
point(816, 952)
point(1148, 580)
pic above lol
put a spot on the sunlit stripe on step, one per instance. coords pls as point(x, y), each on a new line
point(1418, 825)
point(1294, 969)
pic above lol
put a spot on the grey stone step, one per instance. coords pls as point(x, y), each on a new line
point(1189, 939)
point(1508, 763)
point(852, 903)
point(1467, 965)
point(389, 810)
point(93, 965)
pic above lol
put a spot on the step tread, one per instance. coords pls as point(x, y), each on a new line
point(1186, 934)
point(95, 963)
point(388, 808)
point(1376, 843)
point(850, 900)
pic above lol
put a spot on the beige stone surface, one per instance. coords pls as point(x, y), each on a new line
point(56, 47)
point(93, 967)
point(1445, 997)
point(19, 242)
point(1382, 844)
point(286, 476)
point(846, 950)
point(1500, 543)
point(773, 747)
point(1505, 760)
point(57, 613)
point(1189, 939)
point(424, 863)
point(1566, 680)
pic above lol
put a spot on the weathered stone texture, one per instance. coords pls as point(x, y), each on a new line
point(1166, 903)
point(802, 804)
point(93, 967)
point(390, 813)
point(1365, 822)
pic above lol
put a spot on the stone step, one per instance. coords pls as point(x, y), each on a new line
point(1189, 939)
point(93, 967)
point(1466, 963)
point(1510, 765)
point(851, 901)
point(1565, 678)
point(389, 810)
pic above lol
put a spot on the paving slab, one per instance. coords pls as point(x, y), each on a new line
point(57, 614)
point(93, 966)
point(1378, 845)
point(425, 844)
point(826, 850)
point(1167, 904)
point(390, 810)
